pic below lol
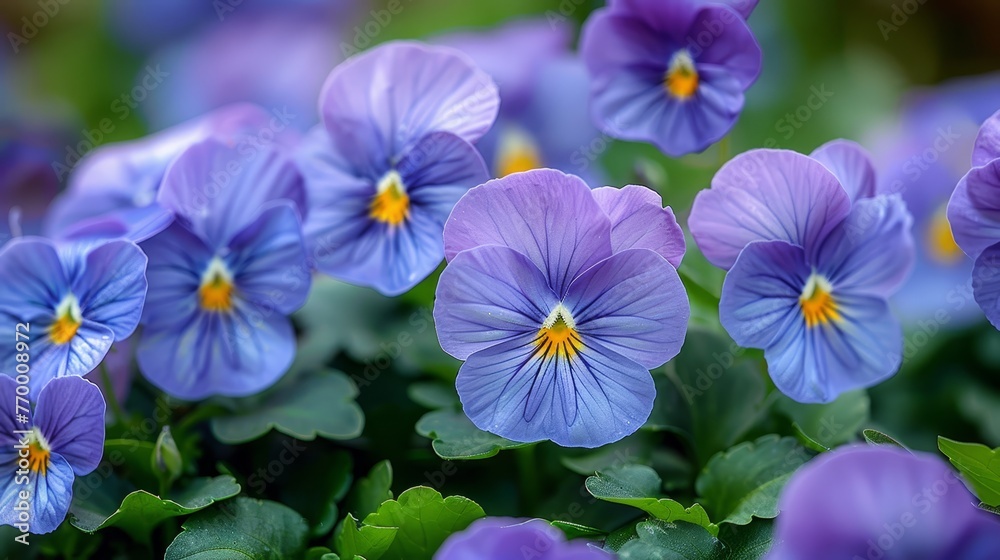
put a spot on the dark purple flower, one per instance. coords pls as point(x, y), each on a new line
point(669, 73)
point(498, 538)
point(881, 503)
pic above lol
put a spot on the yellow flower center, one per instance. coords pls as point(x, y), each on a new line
point(391, 205)
point(817, 302)
point(68, 320)
point(216, 291)
point(518, 152)
point(681, 80)
point(940, 240)
point(558, 337)
point(39, 455)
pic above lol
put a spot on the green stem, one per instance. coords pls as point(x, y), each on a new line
point(527, 472)
point(109, 391)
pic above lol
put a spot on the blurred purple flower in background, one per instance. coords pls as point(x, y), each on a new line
point(225, 275)
point(544, 90)
point(391, 159)
point(670, 73)
point(282, 68)
point(498, 538)
point(65, 440)
point(78, 298)
point(112, 191)
point(881, 502)
point(27, 186)
point(560, 300)
point(812, 259)
point(922, 158)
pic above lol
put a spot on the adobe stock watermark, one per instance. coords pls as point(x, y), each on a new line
point(901, 13)
point(122, 107)
point(33, 24)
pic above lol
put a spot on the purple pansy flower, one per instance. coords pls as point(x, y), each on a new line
point(498, 538)
point(75, 298)
point(544, 90)
point(884, 503)
point(670, 73)
point(225, 275)
point(391, 159)
point(560, 300)
point(62, 438)
point(974, 213)
point(112, 192)
point(812, 258)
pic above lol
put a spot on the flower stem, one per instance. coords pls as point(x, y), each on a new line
point(527, 472)
point(109, 392)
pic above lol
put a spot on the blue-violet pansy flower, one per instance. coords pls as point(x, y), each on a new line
point(498, 538)
point(560, 300)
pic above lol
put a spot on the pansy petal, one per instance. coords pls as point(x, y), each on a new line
point(439, 170)
point(8, 413)
point(409, 90)
point(232, 355)
point(974, 209)
point(550, 217)
point(81, 355)
point(767, 195)
point(816, 365)
point(733, 48)
point(873, 251)
point(761, 292)
point(851, 164)
point(70, 415)
point(593, 399)
point(268, 260)
point(111, 286)
point(33, 280)
point(639, 221)
point(986, 283)
point(988, 142)
point(177, 261)
point(634, 304)
point(637, 41)
point(50, 496)
point(133, 224)
point(217, 189)
point(489, 295)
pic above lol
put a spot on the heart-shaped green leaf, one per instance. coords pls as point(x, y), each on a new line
point(456, 437)
point(980, 466)
point(240, 529)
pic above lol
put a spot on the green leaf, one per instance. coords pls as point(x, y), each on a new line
point(240, 529)
point(141, 511)
point(456, 437)
point(424, 519)
point(639, 486)
point(980, 466)
point(433, 395)
point(133, 460)
point(745, 481)
point(371, 491)
point(875, 437)
point(320, 553)
point(829, 425)
point(370, 542)
point(313, 404)
point(717, 393)
point(748, 542)
point(660, 540)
